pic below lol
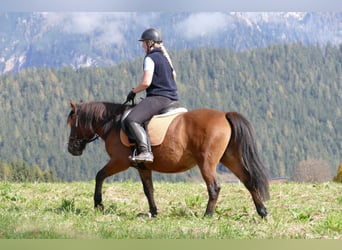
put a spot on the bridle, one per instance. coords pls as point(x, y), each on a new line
point(79, 143)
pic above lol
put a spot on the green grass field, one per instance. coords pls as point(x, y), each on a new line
point(65, 210)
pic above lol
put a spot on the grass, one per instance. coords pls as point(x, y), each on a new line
point(65, 210)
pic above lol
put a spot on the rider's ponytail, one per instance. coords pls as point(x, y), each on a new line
point(167, 56)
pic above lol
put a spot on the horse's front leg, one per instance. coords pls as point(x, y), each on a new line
point(109, 169)
point(100, 177)
point(146, 179)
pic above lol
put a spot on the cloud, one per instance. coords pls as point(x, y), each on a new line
point(109, 27)
point(202, 24)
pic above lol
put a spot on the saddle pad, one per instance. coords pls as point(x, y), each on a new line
point(157, 127)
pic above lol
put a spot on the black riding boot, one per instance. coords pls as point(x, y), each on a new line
point(143, 143)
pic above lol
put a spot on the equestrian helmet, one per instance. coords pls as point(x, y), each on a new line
point(151, 34)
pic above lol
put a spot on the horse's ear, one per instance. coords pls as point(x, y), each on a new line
point(73, 105)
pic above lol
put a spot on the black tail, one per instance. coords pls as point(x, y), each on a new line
point(243, 135)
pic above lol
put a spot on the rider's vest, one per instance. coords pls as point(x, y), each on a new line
point(163, 83)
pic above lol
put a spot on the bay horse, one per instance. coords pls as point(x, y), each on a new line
point(201, 137)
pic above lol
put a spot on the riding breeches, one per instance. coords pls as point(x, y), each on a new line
point(147, 108)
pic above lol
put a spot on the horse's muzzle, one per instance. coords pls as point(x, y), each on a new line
point(75, 150)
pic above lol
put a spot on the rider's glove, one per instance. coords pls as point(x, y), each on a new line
point(130, 96)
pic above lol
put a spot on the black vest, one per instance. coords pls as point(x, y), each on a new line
point(163, 83)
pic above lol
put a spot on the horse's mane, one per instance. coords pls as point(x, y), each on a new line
point(95, 114)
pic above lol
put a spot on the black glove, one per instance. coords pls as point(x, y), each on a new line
point(130, 96)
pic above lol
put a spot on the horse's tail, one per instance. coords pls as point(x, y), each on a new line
point(243, 136)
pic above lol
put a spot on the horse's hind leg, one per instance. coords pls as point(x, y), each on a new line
point(213, 191)
point(146, 179)
point(237, 167)
point(209, 175)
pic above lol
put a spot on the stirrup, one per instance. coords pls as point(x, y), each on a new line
point(133, 155)
point(142, 157)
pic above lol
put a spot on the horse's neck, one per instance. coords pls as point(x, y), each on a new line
point(111, 122)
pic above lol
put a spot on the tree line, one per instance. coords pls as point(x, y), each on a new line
point(19, 171)
point(290, 93)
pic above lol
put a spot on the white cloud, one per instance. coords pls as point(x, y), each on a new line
point(201, 24)
point(84, 23)
point(109, 27)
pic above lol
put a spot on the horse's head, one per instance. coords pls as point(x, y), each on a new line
point(79, 135)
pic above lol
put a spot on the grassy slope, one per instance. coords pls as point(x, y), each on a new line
point(301, 211)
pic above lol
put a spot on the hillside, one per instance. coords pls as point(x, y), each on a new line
point(290, 93)
point(59, 39)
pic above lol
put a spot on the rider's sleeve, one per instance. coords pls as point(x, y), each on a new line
point(148, 64)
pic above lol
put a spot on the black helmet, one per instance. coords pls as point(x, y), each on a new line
point(151, 34)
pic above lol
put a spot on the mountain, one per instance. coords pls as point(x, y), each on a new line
point(57, 39)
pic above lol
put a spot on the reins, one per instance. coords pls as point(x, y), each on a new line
point(127, 101)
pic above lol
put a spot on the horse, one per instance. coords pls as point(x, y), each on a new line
point(200, 137)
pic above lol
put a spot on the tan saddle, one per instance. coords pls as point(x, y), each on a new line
point(156, 128)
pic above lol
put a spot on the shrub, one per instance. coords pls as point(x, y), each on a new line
point(312, 171)
point(338, 177)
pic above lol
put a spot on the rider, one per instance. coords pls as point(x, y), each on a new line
point(159, 82)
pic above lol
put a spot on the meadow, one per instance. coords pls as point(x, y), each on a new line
point(65, 211)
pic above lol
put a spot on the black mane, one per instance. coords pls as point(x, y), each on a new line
point(106, 114)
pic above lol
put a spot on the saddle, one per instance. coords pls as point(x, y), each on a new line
point(156, 127)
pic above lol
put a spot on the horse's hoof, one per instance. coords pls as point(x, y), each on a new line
point(208, 214)
point(99, 207)
point(145, 215)
point(263, 213)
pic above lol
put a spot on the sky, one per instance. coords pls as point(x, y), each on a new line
point(173, 5)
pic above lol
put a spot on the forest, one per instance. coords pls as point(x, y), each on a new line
point(291, 94)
